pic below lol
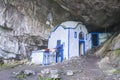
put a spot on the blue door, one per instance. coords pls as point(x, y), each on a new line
point(95, 39)
point(59, 51)
point(46, 58)
point(81, 44)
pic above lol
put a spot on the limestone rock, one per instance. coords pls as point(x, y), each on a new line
point(100, 13)
point(26, 24)
point(116, 43)
point(24, 72)
point(51, 73)
point(69, 73)
point(110, 61)
point(104, 63)
point(45, 71)
point(54, 73)
point(29, 72)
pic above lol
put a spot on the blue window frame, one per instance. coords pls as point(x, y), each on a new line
point(58, 42)
point(75, 34)
point(86, 36)
point(95, 39)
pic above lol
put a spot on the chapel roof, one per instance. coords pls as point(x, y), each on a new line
point(70, 24)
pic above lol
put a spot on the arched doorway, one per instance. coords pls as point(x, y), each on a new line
point(81, 44)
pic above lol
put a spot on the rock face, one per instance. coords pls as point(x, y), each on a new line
point(110, 52)
point(95, 13)
point(26, 24)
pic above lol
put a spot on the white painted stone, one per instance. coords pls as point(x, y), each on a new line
point(54, 76)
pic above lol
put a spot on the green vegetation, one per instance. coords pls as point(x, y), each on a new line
point(41, 78)
point(4, 65)
point(117, 71)
point(20, 77)
point(117, 52)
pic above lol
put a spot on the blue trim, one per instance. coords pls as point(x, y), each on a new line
point(68, 43)
point(75, 34)
point(82, 41)
point(98, 40)
point(59, 53)
point(53, 30)
point(46, 58)
point(63, 28)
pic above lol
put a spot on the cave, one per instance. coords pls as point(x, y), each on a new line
point(25, 26)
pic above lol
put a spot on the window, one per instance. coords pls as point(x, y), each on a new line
point(81, 35)
point(58, 42)
point(75, 34)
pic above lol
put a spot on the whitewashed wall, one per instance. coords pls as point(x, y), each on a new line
point(103, 37)
point(59, 34)
point(62, 34)
point(88, 42)
point(74, 43)
point(87, 37)
point(37, 57)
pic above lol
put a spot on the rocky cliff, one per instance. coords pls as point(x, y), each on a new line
point(26, 24)
point(110, 55)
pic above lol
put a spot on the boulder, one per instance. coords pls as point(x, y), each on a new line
point(29, 72)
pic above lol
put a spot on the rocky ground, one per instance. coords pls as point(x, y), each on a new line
point(83, 68)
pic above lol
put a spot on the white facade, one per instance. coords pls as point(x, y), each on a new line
point(98, 38)
point(37, 57)
point(75, 41)
point(59, 34)
point(68, 33)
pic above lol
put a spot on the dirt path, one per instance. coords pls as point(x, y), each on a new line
point(83, 69)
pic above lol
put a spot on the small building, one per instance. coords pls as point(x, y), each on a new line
point(41, 57)
point(37, 57)
point(74, 38)
point(98, 38)
point(68, 39)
